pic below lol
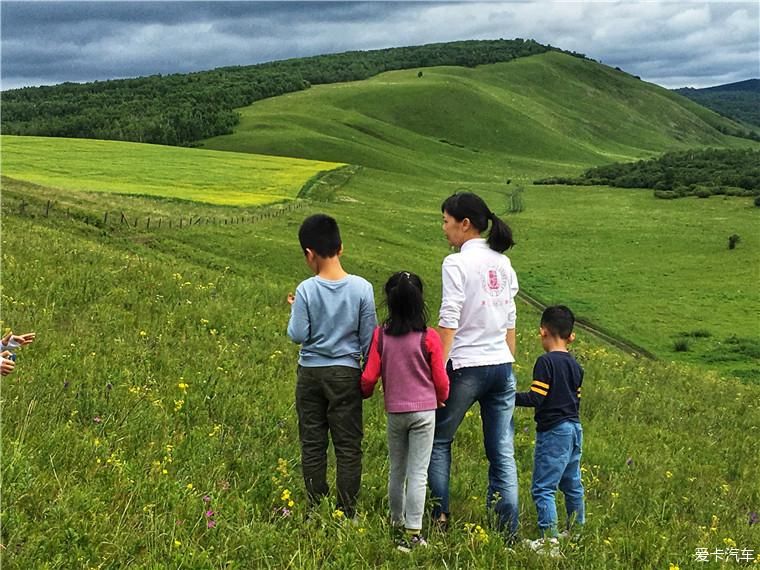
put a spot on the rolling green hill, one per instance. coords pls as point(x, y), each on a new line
point(158, 396)
point(421, 138)
point(549, 112)
point(161, 386)
point(179, 109)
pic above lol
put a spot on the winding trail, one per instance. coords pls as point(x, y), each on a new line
point(624, 345)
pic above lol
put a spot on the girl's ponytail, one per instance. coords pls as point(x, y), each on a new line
point(406, 306)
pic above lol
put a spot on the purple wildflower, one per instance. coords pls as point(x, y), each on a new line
point(206, 499)
point(97, 419)
point(209, 514)
point(753, 518)
point(211, 524)
point(286, 512)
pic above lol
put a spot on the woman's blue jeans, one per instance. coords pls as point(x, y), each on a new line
point(557, 464)
point(494, 388)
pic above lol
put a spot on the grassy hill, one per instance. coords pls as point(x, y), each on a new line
point(547, 112)
point(422, 138)
point(161, 388)
point(161, 384)
point(239, 179)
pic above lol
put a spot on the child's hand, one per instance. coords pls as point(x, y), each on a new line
point(7, 365)
point(441, 404)
point(20, 339)
point(291, 298)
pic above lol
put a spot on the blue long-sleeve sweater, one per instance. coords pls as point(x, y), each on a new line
point(333, 321)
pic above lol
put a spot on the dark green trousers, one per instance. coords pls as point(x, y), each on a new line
point(329, 399)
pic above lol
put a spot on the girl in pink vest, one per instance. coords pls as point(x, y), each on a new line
point(409, 357)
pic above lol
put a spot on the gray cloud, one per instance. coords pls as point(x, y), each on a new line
point(673, 43)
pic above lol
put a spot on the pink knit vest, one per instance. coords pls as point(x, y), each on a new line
point(407, 378)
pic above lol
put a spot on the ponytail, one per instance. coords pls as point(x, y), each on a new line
point(500, 237)
point(406, 306)
point(468, 205)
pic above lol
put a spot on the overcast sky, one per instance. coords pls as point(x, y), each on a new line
point(672, 43)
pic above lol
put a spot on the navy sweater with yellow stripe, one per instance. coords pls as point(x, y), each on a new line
point(555, 391)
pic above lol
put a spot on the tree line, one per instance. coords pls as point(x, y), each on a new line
point(740, 101)
point(180, 109)
point(704, 172)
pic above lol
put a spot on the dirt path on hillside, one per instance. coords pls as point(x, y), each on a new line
point(624, 345)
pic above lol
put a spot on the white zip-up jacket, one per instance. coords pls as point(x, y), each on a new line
point(478, 300)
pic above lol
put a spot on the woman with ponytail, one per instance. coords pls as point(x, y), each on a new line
point(477, 328)
point(408, 355)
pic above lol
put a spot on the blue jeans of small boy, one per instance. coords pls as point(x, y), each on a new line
point(494, 388)
point(557, 464)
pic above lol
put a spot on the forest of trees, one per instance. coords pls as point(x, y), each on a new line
point(739, 101)
point(734, 172)
point(180, 109)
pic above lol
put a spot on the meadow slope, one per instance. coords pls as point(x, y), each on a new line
point(152, 423)
point(642, 268)
point(161, 388)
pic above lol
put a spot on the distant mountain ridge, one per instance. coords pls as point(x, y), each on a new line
point(739, 101)
point(746, 85)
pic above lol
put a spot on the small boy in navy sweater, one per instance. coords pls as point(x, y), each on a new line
point(555, 393)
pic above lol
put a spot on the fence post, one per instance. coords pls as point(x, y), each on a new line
point(147, 225)
point(159, 222)
point(180, 221)
point(135, 222)
point(47, 209)
point(105, 219)
point(123, 219)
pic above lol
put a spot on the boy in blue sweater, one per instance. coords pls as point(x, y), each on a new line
point(332, 318)
point(555, 394)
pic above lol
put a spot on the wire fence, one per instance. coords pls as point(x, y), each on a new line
point(151, 222)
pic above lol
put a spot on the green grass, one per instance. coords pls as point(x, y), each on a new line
point(162, 373)
point(232, 179)
point(95, 414)
point(640, 267)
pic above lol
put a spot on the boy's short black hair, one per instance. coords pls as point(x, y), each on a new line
point(320, 234)
point(558, 320)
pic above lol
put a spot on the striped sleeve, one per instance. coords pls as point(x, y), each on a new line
point(539, 388)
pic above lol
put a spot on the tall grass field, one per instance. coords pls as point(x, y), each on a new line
point(152, 422)
point(229, 179)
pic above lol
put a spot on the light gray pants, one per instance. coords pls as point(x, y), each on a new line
point(410, 441)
